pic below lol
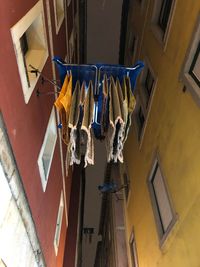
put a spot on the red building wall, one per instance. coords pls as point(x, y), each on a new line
point(72, 231)
point(26, 125)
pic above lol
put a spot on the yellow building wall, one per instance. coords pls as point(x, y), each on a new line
point(172, 131)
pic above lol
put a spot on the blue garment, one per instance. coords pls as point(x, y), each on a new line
point(96, 125)
point(108, 188)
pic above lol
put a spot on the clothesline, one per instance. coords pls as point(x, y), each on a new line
point(95, 101)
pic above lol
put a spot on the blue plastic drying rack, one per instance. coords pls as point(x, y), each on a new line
point(95, 73)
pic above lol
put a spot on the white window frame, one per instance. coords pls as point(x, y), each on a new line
point(59, 18)
point(163, 227)
point(59, 224)
point(133, 251)
point(187, 79)
point(161, 36)
point(37, 53)
point(51, 127)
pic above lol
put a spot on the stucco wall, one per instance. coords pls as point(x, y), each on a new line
point(172, 131)
point(26, 125)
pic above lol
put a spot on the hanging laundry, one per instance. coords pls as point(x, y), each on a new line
point(63, 104)
point(81, 141)
point(131, 103)
point(73, 121)
point(87, 124)
point(120, 129)
point(78, 138)
point(116, 123)
point(99, 125)
point(101, 106)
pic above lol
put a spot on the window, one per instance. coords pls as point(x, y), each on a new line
point(125, 180)
point(126, 185)
point(144, 96)
point(47, 150)
point(59, 224)
point(133, 250)
point(132, 47)
point(147, 84)
point(162, 14)
point(59, 13)
point(68, 2)
point(194, 70)
point(30, 42)
point(164, 215)
point(140, 121)
point(191, 69)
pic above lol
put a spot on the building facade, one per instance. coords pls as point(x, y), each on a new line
point(32, 154)
point(162, 151)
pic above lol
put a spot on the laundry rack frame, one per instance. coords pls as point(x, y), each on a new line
point(102, 69)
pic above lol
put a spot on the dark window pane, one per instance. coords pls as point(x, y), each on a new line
point(132, 47)
point(126, 185)
point(149, 82)
point(24, 44)
point(141, 120)
point(24, 49)
point(164, 14)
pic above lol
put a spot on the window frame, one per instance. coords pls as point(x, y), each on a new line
point(132, 50)
point(17, 32)
point(51, 125)
point(164, 15)
point(58, 20)
point(162, 233)
point(133, 250)
point(125, 180)
point(68, 2)
point(148, 91)
point(188, 80)
point(140, 123)
point(196, 55)
point(59, 223)
point(160, 34)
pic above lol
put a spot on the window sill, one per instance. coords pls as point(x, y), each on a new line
point(167, 234)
